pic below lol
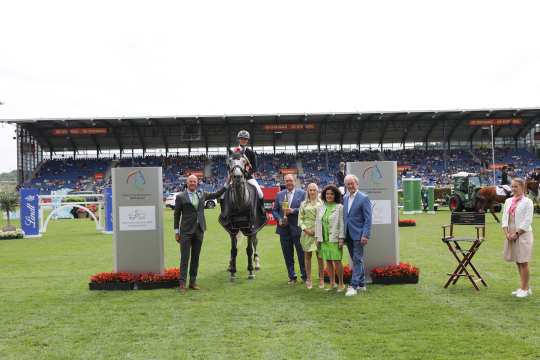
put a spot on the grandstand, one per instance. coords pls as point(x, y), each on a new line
point(79, 153)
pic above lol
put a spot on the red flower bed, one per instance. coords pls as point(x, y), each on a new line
point(128, 281)
point(108, 277)
point(407, 222)
point(395, 274)
point(347, 274)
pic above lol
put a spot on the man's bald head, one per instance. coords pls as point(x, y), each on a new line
point(192, 182)
point(351, 183)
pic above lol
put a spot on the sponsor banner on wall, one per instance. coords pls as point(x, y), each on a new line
point(288, 171)
point(401, 168)
point(30, 212)
point(79, 131)
point(269, 196)
point(495, 122)
point(289, 127)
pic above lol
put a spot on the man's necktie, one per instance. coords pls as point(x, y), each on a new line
point(194, 200)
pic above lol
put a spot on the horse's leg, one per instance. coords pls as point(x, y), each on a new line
point(256, 259)
point(234, 252)
point(480, 204)
point(249, 251)
point(492, 210)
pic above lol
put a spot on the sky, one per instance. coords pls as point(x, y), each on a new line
point(131, 58)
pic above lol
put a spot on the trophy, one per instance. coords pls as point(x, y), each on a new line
point(285, 205)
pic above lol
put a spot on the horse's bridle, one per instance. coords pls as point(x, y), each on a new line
point(236, 166)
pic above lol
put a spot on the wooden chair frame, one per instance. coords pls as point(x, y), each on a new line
point(462, 254)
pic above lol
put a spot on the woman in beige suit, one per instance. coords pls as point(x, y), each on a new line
point(330, 234)
point(516, 223)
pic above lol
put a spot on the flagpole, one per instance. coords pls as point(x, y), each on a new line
point(493, 156)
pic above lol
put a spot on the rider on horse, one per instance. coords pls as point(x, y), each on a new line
point(243, 140)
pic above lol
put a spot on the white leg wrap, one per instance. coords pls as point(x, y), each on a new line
point(254, 182)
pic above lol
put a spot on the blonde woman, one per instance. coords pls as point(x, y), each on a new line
point(516, 223)
point(306, 221)
point(330, 234)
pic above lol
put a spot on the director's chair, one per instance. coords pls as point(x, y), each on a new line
point(460, 250)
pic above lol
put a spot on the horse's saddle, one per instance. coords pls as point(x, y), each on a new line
point(503, 190)
point(249, 222)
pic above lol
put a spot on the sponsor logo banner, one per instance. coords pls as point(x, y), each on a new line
point(288, 171)
point(290, 127)
point(30, 211)
point(495, 122)
point(79, 131)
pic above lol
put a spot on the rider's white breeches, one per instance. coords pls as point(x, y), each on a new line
point(254, 182)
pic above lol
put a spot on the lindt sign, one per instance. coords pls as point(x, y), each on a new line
point(30, 212)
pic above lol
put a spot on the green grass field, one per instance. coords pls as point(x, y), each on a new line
point(47, 311)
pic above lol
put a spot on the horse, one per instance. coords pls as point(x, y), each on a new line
point(532, 188)
point(486, 198)
point(241, 212)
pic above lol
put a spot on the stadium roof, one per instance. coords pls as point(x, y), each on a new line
point(68, 134)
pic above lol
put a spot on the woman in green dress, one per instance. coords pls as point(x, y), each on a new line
point(330, 234)
point(306, 221)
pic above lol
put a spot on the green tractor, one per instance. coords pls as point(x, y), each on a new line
point(463, 196)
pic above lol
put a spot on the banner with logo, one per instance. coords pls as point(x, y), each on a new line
point(108, 210)
point(269, 196)
point(496, 122)
point(286, 171)
point(290, 127)
point(30, 211)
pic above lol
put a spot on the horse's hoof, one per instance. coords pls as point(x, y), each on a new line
point(232, 278)
point(251, 276)
point(257, 268)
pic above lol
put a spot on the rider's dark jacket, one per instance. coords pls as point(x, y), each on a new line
point(250, 154)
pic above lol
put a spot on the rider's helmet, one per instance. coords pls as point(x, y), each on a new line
point(243, 134)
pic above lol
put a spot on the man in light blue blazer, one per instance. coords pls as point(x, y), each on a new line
point(357, 223)
point(288, 229)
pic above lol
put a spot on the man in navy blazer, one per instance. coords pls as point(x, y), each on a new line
point(288, 229)
point(357, 223)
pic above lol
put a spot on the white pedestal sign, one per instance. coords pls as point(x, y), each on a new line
point(138, 219)
point(378, 180)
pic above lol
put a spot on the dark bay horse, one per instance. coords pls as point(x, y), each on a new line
point(240, 213)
